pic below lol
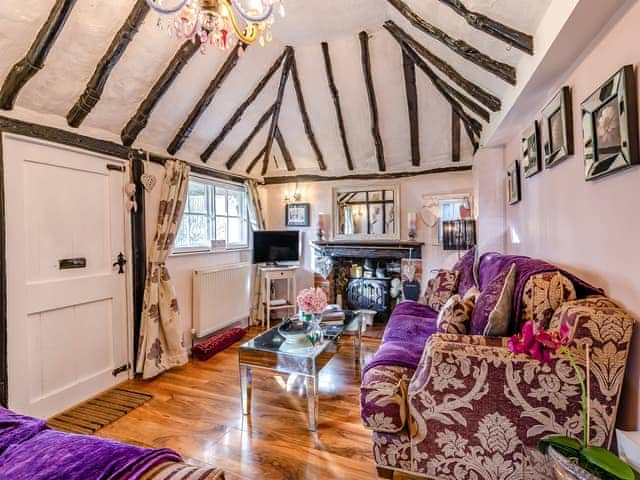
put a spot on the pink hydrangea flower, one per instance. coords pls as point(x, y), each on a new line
point(312, 300)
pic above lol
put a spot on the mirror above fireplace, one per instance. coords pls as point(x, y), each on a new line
point(367, 213)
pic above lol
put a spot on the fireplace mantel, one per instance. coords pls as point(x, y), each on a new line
point(369, 249)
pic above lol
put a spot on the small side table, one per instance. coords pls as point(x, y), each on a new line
point(273, 274)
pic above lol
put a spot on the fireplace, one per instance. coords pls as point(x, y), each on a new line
point(369, 294)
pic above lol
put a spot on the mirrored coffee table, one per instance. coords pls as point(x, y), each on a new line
point(269, 351)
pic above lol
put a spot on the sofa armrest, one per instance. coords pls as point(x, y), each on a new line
point(167, 470)
point(383, 398)
point(480, 340)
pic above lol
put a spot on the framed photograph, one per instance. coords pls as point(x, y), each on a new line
point(297, 215)
point(513, 183)
point(557, 124)
point(531, 157)
point(610, 126)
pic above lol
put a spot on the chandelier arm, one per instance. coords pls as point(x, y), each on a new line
point(166, 11)
point(249, 36)
point(250, 18)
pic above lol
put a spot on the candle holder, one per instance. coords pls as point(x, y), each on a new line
point(412, 225)
point(412, 234)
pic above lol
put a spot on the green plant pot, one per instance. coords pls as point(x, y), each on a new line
point(566, 468)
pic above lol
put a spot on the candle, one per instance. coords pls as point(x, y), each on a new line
point(412, 220)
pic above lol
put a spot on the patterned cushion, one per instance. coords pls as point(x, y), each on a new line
point(472, 294)
point(383, 397)
point(492, 315)
point(466, 266)
point(440, 289)
point(543, 294)
point(455, 316)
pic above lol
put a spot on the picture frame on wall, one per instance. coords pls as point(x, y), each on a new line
point(610, 125)
point(557, 124)
point(297, 214)
point(514, 194)
point(531, 155)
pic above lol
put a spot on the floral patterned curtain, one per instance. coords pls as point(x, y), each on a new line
point(257, 223)
point(161, 341)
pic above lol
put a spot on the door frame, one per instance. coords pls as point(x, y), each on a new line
point(128, 250)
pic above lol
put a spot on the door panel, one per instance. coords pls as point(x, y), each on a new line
point(71, 324)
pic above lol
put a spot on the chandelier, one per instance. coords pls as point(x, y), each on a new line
point(220, 23)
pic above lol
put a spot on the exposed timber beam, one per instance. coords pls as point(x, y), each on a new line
point(472, 126)
point(285, 151)
point(235, 118)
point(97, 82)
point(455, 136)
point(511, 36)
point(34, 60)
point(412, 106)
point(336, 102)
point(364, 176)
point(255, 161)
point(205, 100)
point(502, 70)
point(490, 101)
point(139, 120)
point(365, 57)
point(241, 149)
point(284, 76)
point(305, 115)
point(467, 102)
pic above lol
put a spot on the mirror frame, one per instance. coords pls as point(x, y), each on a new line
point(364, 236)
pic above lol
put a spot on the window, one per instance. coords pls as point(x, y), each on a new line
point(215, 212)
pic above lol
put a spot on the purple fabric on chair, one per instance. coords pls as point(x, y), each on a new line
point(491, 264)
point(38, 453)
point(409, 327)
point(465, 267)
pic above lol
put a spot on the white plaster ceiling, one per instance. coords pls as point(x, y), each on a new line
point(93, 23)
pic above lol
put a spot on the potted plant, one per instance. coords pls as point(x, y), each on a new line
point(571, 458)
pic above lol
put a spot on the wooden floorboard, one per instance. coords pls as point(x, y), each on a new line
point(196, 411)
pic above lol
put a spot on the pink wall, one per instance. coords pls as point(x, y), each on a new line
point(590, 228)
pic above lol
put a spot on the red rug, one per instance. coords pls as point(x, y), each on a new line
point(217, 343)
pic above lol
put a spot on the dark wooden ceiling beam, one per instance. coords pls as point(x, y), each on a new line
point(412, 106)
point(364, 176)
point(284, 76)
point(365, 57)
point(455, 136)
point(490, 101)
point(286, 154)
point(34, 60)
point(305, 115)
point(502, 70)
point(472, 126)
point(241, 149)
point(336, 102)
point(139, 120)
point(511, 36)
point(95, 87)
point(205, 100)
point(235, 118)
point(255, 161)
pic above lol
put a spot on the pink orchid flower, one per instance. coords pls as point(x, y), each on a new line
point(539, 343)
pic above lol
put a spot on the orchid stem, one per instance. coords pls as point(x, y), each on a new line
point(583, 388)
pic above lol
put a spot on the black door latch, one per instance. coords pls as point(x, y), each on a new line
point(121, 262)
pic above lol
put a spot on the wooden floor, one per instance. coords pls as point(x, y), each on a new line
point(196, 411)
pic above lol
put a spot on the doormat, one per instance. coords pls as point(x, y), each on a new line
point(92, 415)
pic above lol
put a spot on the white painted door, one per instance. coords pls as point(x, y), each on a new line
point(67, 329)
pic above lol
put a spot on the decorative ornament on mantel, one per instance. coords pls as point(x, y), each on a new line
point(412, 225)
point(215, 22)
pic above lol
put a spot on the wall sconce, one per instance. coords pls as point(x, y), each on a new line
point(294, 197)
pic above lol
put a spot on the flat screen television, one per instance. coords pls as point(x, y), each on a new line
point(276, 246)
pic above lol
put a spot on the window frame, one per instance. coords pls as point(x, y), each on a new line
point(212, 185)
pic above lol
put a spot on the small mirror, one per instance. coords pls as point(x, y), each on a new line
point(367, 213)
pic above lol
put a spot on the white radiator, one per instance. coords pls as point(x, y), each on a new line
point(221, 296)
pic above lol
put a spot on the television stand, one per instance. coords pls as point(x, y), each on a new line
point(274, 274)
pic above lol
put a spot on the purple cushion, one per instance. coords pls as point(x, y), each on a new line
point(493, 310)
point(465, 267)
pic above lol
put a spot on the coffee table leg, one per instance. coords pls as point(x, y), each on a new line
point(245, 389)
point(312, 402)
point(357, 339)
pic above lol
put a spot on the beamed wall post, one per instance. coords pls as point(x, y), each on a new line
point(365, 57)
point(4, 396)
point(502, 70)
point(96, 84)
point(284, 150)
point(412, 106)
point(139, 250)
point(205, 100)
point(255, 161)
point(34, 60)
point(455, 136)
point(139, 120)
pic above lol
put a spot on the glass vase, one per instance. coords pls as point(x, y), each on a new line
point(316, 335)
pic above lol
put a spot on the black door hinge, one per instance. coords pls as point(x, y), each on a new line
point(119, 370)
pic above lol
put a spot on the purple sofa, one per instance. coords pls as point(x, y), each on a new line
point(462, 406)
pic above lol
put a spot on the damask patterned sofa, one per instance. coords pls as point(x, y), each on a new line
point(447, 406)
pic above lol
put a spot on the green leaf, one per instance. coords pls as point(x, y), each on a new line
point(608, 462)
point(569, 447)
